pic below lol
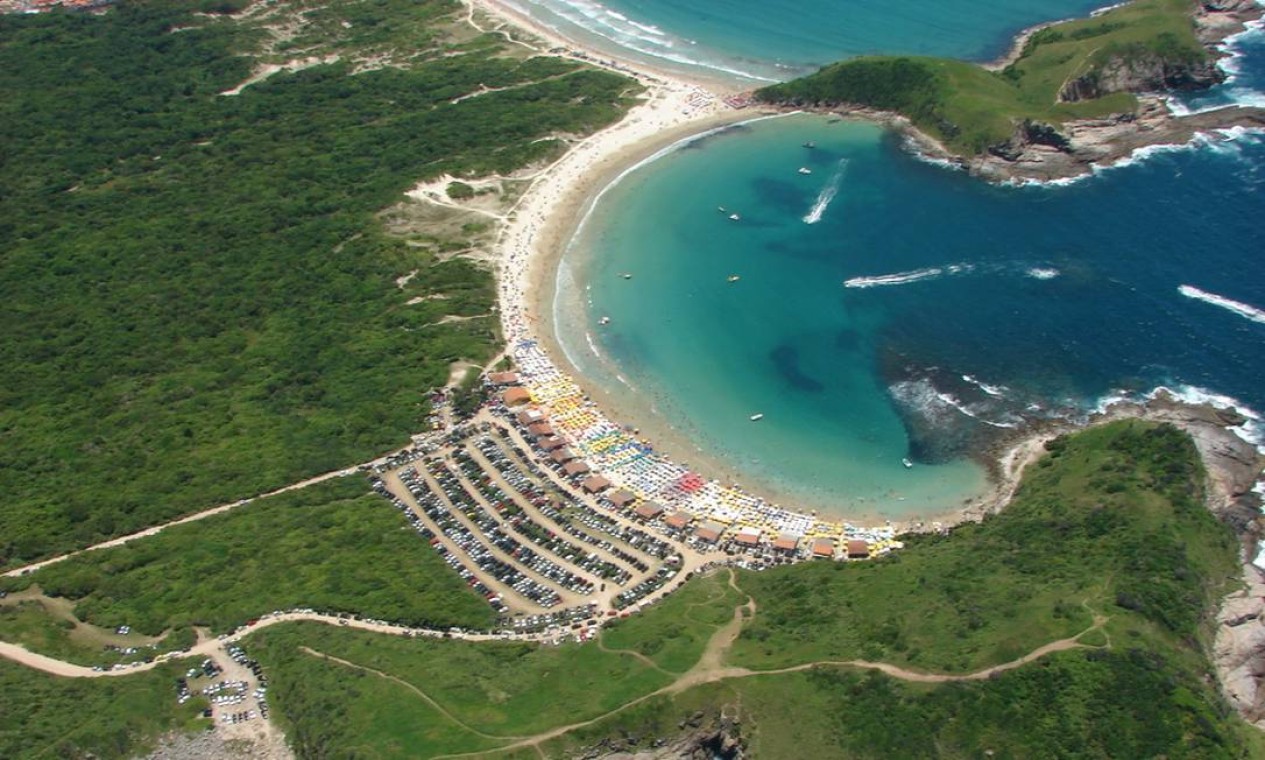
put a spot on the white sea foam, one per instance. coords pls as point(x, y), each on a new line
point(827, 194)
point(904, 278)
point(1042, 273)
point(1238, 307)
point(996, 391)
point(628, 33)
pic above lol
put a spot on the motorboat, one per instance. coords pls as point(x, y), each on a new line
point(907, 463)
point(805, 170)
point(732, 278)
point(757, 417)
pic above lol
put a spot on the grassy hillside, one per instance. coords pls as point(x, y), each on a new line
point(334, 546)
point(1110, 525)
point(970, 108)
point(46, 716)
point(198, 298)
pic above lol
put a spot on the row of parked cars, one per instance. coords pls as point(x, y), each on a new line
point(461, 499)
point(478, 553)
point(523, 524)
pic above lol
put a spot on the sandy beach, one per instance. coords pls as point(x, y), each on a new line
point(540, 226)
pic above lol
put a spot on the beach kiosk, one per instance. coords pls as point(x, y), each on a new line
point(574, 468)
point(709, 532)
point(858, 549)
point(678, 520)
point(786, 543)
point(748, 538)
point(595, 484)
point(648, 510)
point(824, 548)
point(621, 498)
point(503, 378)
point(516, 396)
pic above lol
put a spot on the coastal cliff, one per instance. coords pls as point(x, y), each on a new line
point(1071, 96)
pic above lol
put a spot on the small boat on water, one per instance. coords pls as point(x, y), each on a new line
point(907, 463)
point(757, 417)
point(734, 217)
point(721, 209)
point(732, 278)
point(626, 275)
point(805, 170)
point(604, 321)
point(810, 144)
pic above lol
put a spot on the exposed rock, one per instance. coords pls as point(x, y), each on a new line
point(1141, 73)
point(708, 737)
point(1239, 649)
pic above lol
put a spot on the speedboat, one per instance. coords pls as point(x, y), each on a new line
point(805, 170)
point(907, 463)
point(733, 278)
point(757, 417)
point(734, 217)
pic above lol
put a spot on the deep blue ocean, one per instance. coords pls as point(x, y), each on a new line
point(874, 307)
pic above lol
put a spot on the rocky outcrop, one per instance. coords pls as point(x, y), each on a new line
point(1142, 72)
point(1046, 153)
point(702, 737)
point(1239, 648)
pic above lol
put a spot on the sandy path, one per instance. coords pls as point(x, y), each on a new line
point(188, 519)
point(710, 668)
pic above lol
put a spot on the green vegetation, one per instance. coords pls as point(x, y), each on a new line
point(199, 299)
point(675, 632)
point(332, 546)
point(46, 716)
point(971, 109)
point(1092, 704)
point(500, 689)
point(1111, 520)
point(1109, 525)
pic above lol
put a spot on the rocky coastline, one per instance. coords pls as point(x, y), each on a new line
point(1039, 152)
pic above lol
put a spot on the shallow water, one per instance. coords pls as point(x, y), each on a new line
point(888, 308)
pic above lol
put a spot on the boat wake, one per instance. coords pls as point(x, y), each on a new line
point(905, 278)
point(1243, 310)
point(827, 194)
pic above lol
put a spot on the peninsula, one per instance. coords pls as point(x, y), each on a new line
point(1070, 95)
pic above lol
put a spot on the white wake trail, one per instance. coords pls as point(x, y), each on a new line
point(826, 195)
point(1242, 309)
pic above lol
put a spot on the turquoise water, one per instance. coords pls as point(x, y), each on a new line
point(888, 308)
point(779, 39)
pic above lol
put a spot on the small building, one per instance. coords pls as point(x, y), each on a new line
point(595, 484)
point(562, 455)
point(540, 429)
point(503, 378)
point(858, 549)
point(709, 531)
point(551, 443)
point(648, 510)
point(678, 520)
point(530, 416)
point(824, 547)
point(786, 542)
point(573, 468)
point(621, 498)
point(516, 396)
point(747, 537)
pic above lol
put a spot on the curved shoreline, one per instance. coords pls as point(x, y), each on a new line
point(531, 245)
